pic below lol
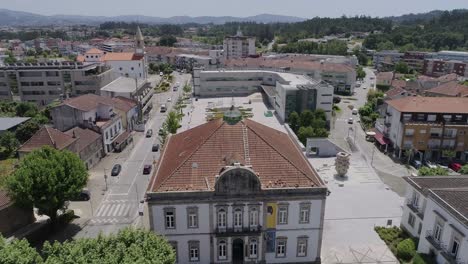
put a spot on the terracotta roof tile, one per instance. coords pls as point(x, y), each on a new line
point(121, 56)
point(191, 160)
point(84, 137)
point(454, 105)
point(88, 102)
point(47, 136)
point(452, 88)
point(94, 51)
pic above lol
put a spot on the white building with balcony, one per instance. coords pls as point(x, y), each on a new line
point(236, 191)
point(436, 213)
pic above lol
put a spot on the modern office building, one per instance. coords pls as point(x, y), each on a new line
point(43, 83)
point(427, 126)
point(435, 212)
point(286, 92)
point(438, 67)
point(236, 191)
point(239, 46)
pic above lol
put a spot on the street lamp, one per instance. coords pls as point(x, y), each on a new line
point(105, 178)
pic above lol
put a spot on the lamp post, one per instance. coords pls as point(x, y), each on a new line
point(105, 178)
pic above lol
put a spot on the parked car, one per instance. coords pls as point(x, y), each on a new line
point(174, 89)
point(429, 164)
point(161, 73)
point(161, 131)
point(336, 99)
point(149, 133)
point(155, 148)
point(455, 166)
point(84, 195)
point(147, 169)
point(416, 164)
point(163, 108)
point(116, 170)
point(350, 120)
point(354, 111)
point(169, 99)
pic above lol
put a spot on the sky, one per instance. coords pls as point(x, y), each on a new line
point(241, 8)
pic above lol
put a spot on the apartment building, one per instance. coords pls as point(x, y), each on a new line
point(98, 113)
point(286, 92)
point(452, 55)
point(438, 67)
point(435, 212)
point(239, 46)
point(219, 195)
point(42, 83)
point(138, 90)
point(342, 76)
point(427, 126)
point(385, 60)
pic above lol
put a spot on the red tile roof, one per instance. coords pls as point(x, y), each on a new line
point(124, 104)
point(454, 105)
point(214, 145)
point(121, 56)
point(452, 88)
point(88, 102)
point(94, 51)
point(84, 137)
point(47, 136)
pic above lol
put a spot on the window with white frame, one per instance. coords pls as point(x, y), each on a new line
point(283, 214)
point(253, 247)
point(281, 247)
point(302, 246)
point(253, 217)
point(455, 247)
point(194, 250)
point(415, 199)
point(411, 219)
point(222, 250)
point(222, 218)
point(169, 217)
point(304, 213)
point(437, 231)
point(192, 217)
point(237, 218)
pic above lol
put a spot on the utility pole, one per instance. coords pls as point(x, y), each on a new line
point(105, 178)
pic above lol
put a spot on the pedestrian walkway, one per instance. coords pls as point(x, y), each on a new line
point(114, 212)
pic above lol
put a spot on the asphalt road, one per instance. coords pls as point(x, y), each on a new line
point(119, 206)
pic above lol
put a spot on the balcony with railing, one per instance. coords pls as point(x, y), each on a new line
point(236, 231)
point(415, 208)
point(433, 241)
point(449, 257)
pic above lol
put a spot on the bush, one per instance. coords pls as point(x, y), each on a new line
point(418, 259)
point(406, 249)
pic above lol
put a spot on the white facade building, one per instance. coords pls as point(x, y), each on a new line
point(436, 213)
point(286, 92)
point(239, 46)
point(237, 192)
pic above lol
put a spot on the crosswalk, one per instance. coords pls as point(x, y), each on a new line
point(114, 212)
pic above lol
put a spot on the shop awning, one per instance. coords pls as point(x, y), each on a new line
point(381, 139)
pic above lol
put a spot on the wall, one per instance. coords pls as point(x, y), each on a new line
point(124, 68)
point(413, 230)
point(13, 218)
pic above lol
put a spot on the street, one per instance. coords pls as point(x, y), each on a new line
point(115, 201)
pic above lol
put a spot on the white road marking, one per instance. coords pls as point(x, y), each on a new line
point(115, 208)
point(104, 212)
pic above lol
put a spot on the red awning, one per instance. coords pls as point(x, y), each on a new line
point(381, 139)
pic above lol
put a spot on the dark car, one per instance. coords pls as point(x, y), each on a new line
point(84, 195)
point(155, 148)
point(147, 169)
point(116, 170)
point(336, 99)
point(161, 131)
point(149, 133)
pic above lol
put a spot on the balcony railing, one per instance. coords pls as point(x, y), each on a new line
point(433, 241)
point(228, 231)
point(451, 258)
point(415, 208)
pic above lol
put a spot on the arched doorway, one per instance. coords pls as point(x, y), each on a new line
point(238, 251)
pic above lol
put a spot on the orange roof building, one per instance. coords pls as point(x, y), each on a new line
point(233, 184)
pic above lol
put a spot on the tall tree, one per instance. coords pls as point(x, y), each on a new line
point(18, 251)
point(294, 121)
point(46, 179)
point(172, 122)
point(9, 142)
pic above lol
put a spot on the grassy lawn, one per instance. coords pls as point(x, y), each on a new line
point(6, 168)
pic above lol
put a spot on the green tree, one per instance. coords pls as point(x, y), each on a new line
point(172, 122)
point(438, 171)
point(26, 109)
point(46, 178)
point(305, 133)
point(11, 59)
point(9, 142)
point(306, 118)
point(360, 73)
point(18, 251)
point(187, 88)
point(167, 41)
point(450, 154)
point(126, 247)
point(406, 249)
point(401, 67)
point(294, 121)
point(27, 130)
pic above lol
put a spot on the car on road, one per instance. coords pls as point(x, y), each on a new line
point(149, 133)
point(358, 85)
point(336, 99)
point(354, 111)
point(161, 73)
point(116, 170)
point(364, 87)
point(350, 120)
point(416, 164)
point(155, 148)
point(455, 166)
point(169, 99)
point(174, 89)
point(163, 108)
point(147, 169)
point(84, 195)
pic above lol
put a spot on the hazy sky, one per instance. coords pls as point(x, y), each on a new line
point(167, 8)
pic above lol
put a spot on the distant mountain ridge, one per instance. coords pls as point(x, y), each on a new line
point(19, 18)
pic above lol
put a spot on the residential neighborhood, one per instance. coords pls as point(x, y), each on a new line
point(209, 138)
